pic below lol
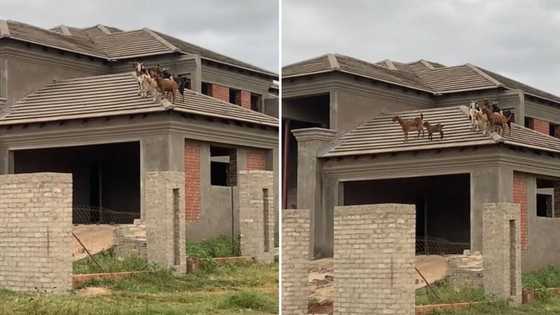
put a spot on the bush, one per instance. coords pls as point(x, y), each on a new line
point(205, 251)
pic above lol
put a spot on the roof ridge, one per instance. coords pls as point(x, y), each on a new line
point(333, 61)
point(305, 60)
point(4, 28)
point(161, 39)
point(485, 75)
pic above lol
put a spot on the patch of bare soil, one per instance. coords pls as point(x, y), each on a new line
point(321, 280)
point(96, 238)
point(94, 291)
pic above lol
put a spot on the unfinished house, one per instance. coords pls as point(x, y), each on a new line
point(69, 103)
point(342, 148)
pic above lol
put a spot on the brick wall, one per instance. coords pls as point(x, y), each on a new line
point(256, 214)
point(256, 159)
point(192, 181)
point(220, 92)
point(245, 99)
point(520, 196)
point(35, 232)
point(501, 250)
point(296, 229)
point(374, 256)
point(541, 126)
point(165, 219)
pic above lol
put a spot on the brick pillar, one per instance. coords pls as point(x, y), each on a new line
point(256, 214)
point(295, 258)
point(220, 92)
point(501, 250)
point(256, 159)
point(245, 99)
point(541, 126)
point(35, 232)
point(520, 197)
point(165, 219)
point(374, 253)
point(192, 181)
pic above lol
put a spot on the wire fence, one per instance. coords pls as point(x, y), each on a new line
point(439, 246)
point(83, 214)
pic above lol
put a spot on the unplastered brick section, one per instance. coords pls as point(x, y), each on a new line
point(374, 259)
point(541, 126)
point(192, 180)
point(220, 92)
point(520, 197)
point(165, 219)
point(256, 159)
point(35, 232)
point(501, 250)
point(296, 229)
point(256, 214)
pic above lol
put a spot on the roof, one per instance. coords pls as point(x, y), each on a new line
point(116, 94)
point(422, 75)
point(382, 135)
point(111, 43)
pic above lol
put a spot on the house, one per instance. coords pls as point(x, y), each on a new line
point(69, 103)
point(341, 147)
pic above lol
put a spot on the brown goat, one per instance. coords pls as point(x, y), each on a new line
point(167, 86)
point(411, 125)
point(432, 129)
point(497, 121)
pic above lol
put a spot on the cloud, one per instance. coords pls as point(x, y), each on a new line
point(246, 30)
point(515, 38)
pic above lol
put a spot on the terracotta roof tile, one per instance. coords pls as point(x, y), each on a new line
point(116, 94)
point(382, 135)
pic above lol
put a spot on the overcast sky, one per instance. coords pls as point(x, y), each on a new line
point(245, 30)
point(520, 39)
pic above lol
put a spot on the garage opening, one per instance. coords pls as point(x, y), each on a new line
point(105, 177)
point(442, 208)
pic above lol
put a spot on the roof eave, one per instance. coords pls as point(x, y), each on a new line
point(264, 72)
point(106, 58)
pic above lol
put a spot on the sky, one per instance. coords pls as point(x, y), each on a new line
point(246, 30)
point(518, 39)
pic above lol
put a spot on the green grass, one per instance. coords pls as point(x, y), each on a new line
point(549, 307)
point(230, 289)
point(221, 246)
point(447, 294)
point(110, 263)
point(548, 277)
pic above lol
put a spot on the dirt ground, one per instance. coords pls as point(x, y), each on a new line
point(96, 238)
point(321, 276)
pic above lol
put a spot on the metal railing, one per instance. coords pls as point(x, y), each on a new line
point(439, 246)
point(84, 214)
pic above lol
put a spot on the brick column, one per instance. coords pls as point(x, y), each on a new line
point(374, 253)
point(245, 99)
point(520, 197)
point(220, 92)
point(35, 232)
point(192, 181)
point(165, 219)
point(501, 250)
point(256, 214)
point(541, 126)
point(310, 141)
point(295, 258)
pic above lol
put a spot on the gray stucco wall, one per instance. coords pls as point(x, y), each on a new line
point(29, 69)
point(542, 111)
point(543, 233)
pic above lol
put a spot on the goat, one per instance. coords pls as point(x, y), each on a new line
point(140, 75)
point(432, 129)
point(166, 85)
point(497, 121)
point(410, 124)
